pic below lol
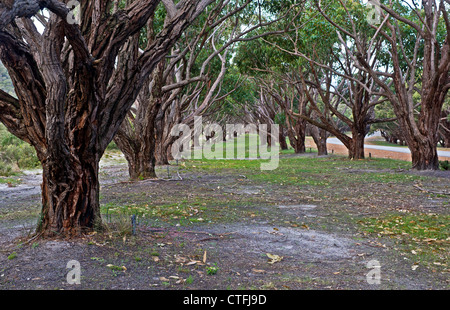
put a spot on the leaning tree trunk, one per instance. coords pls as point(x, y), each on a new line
point(162, 145)
point(444, 128)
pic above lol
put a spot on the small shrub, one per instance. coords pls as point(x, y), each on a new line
point(15, 154)
point(445, 164)
point(212, 270)
point(189, 280)
point(5, 169)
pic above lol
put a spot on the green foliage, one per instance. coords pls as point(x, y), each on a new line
point(5, 82)
point(445, 164)
point(12, 255)
point(15, 154)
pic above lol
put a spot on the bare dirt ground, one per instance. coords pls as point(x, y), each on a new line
point(222, 230)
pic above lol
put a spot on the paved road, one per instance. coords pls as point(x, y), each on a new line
point(387, 148)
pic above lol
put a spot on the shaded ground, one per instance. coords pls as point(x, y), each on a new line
point(314, 223)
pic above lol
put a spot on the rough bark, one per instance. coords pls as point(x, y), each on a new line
point(319, 136)
point(282, 138)
point(297, 135)
point(71, 98)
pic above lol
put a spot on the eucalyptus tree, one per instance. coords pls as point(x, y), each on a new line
point(73, 92)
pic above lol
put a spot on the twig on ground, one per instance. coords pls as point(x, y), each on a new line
point(430, 191)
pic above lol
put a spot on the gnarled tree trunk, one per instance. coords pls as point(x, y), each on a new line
point(72, 97)
point(70, 198)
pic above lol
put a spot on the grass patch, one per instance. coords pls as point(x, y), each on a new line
point(10, 180)
point(315, 171)
point(385, 143)
point(167, 212)
point(424, 237)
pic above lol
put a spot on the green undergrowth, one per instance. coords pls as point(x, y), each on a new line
point(15, 155)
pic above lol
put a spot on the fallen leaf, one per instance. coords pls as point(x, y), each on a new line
point(258, 270)
point(204, 257)
point(163, 279)
point(180, 259)
point(414, 267)
point(274, 258)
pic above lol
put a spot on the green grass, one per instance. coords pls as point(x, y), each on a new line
point(12, 255)
point(324, 171)
point(422, 237)
point(166, 212)
point(10, 180)
point(385, 143)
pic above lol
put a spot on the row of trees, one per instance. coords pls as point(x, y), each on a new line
point(341, 72)
point(130, 70)
point(125, 70)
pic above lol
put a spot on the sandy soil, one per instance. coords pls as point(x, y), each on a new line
point(253, 236)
